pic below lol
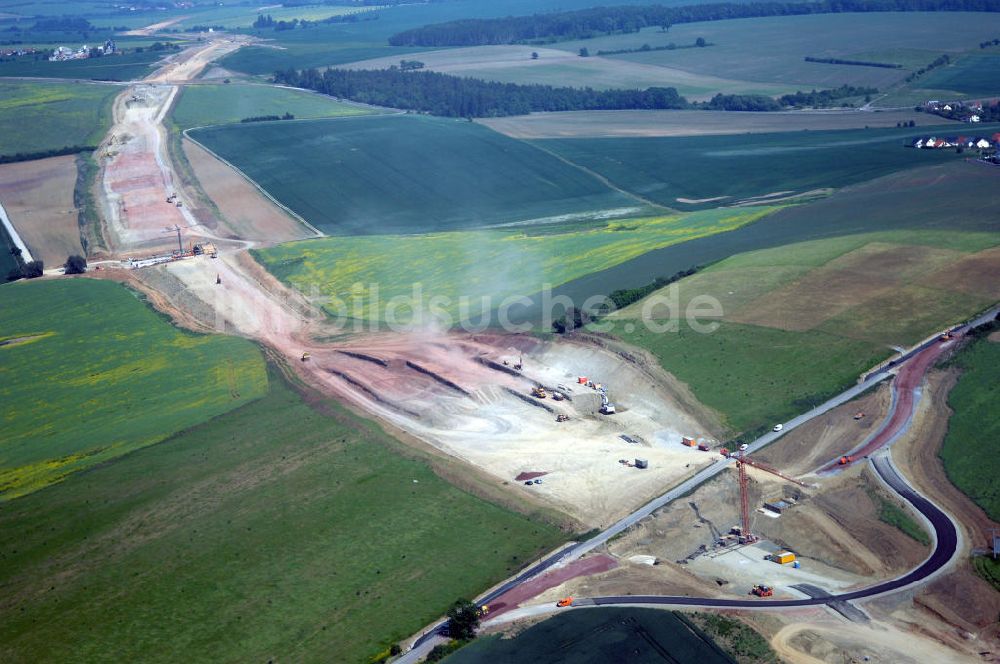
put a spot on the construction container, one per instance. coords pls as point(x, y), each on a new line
point(641, 463)
point(582, 380)
point(783, 557)
point(777, 506)
point(690, 442)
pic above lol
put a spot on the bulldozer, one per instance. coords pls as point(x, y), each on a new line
point(538, 392)
point(762, 591)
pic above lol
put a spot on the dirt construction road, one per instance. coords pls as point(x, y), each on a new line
point(443, 388)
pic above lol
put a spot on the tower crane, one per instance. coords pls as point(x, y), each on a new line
point(176, 229)
point(742, 461)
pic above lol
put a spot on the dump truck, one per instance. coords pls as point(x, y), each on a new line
point(538, 392)
point(762, 591)
point(689, 442)
point(562, 418)
point(703, 447)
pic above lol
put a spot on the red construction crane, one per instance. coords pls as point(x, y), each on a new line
point(742, 461)
point(746, 537)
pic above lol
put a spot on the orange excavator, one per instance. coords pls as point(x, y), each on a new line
point(564, 602)
point(762, 591)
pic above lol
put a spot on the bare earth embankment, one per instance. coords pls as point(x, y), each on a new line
point(250, 214)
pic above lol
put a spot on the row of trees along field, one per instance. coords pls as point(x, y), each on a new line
point(585, 23)
point(453, 96)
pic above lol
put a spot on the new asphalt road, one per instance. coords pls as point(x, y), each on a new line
point(945, 531)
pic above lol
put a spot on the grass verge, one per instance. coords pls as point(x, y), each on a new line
point(891, 513)
point(741, 641)
point(989, 569)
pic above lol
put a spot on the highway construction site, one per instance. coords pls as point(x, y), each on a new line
point(579, 428)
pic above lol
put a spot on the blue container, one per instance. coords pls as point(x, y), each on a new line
point(796, 564)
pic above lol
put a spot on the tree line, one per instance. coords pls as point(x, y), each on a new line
point(268, 118)
point(645, 48)
point(586, 23)
point(856, 63)
point(266, 21)
point(45, 154)
point(452, 96)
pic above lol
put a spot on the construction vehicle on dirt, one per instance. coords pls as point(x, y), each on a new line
point(306, 356)
point(607, 408)
point(844, 460)
point(565, 601)
point(562, 418)
point(538, 392)
point(762, 591)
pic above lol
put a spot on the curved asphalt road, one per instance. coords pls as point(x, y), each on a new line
point(946, 538)
point(945, 548)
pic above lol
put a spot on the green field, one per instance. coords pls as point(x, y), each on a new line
point(128, 67)
point(975, 75)
point(772, 50)
point(954, 196)
point(974, 426)
point(407, 174)
point(514, 64)
point(756, 376)
point(276, 532)
point(640, 636)
point(201, 105)
point(61, 115)
point(340, 43)
point(802, 321)
point(90, 373)
point(490, 264)
point(242, 16)
point(723, 170)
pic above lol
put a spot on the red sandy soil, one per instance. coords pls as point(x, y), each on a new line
point(909, 378)
point(551, 579)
